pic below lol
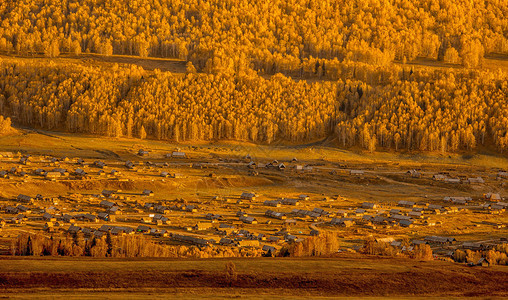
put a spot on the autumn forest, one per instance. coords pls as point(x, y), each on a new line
point(308, 70)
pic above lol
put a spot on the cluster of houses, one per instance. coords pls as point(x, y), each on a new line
point(151, 216)
point(495, 207)
point(447, 178)
point(370, 216)
point(53, 171)
point(460, 179)
point(116, 230)
point(163, 209)
point(433, 241)
point(276, 165)
point(310, 214)
point(51, 168)
point(230, 235)
point(407, 214)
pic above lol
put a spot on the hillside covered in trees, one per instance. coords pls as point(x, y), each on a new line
point(269, 36)
point(261, 71)
point(420, 110)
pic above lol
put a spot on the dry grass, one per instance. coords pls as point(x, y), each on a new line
point(72, 145)
point(175, 66)
point(282, 277)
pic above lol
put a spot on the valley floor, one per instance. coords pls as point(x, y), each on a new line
point(214, 173)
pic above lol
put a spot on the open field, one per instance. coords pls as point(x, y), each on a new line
point(172, 65)
point(323, 277)
point(491, 62)
point(65, 144)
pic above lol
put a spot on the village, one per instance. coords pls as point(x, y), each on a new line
point(191, 197)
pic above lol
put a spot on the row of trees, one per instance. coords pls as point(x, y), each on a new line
point(417, 110)
point(116, 246)
point(420, 252)
point(496, 256)
point(267, 35)
point(324, 244)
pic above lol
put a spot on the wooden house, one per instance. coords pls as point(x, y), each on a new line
point(63, 172)
point(414, 173)
point(103, 216)
point(142, 152)
point(276, 215)
point(48, 217)
point(415, 214)
point(404, 203)
point(368, 205)
point(52, 174)
point(248, 196)
point(147, 193)
point(226, 241)
point(345, 222)
point(272, 203)
point(303, 197)
point(406, 223)
point(203, 226)
point(11, 210)
point(452, 180)
point(24, 198)
point(115, 210)
point(494, 197)
point(475, 180)
point(439, 239)
point(143, 229)
point(108, 193)
point(248, 243)
point(178, 154)
point(212, 216)
point(129, 165)
point(248, 220)
point(288, 201)
point(356, 172)
point(73, 229)
point(68, 218)
point(99, 164)
point(90, 218)
point(80, 172)
point(106, 203)
point(438, 177)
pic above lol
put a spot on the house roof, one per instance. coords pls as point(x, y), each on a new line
point(24, 197)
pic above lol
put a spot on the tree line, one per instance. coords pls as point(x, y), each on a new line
point(116, 246)
point(496, 256)
point(390, 108)
point(419, 252)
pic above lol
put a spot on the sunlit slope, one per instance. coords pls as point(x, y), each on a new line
point(399, 107)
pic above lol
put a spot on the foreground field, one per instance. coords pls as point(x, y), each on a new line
point(256, 278)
